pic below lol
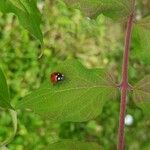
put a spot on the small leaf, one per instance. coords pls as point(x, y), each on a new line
point(4, 92)
point(74, 145)
point(141, 94)
point(111, 8)
point(141, 38)
point(80, 97)
point(27, 13)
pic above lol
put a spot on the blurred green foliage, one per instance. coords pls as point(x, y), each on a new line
point(67, 34)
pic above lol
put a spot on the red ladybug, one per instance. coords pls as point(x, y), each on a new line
point(56, 76)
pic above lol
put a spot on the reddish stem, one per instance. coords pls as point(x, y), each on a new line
point(124, 83)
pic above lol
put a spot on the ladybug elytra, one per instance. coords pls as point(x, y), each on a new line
point(56, 77)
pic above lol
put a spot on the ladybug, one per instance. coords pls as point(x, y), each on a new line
point(56, 77)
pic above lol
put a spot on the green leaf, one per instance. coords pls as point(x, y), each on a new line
point(27, 13)
point(141, 94)
point(80, 97)
point(4, 92)
point(141, 38)
point(74, 145)
point(115, 9)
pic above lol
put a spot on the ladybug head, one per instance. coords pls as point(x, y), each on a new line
point(60, 77)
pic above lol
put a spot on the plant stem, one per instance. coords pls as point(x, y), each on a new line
point(124, 82)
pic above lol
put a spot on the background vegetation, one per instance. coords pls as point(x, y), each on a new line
point(67, 34)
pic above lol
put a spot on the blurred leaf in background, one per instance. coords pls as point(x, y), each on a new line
point(27, 13)
point(92, 8)
point(141, 38)
point(141, 94)
point(74, 145)
point(4, 92)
